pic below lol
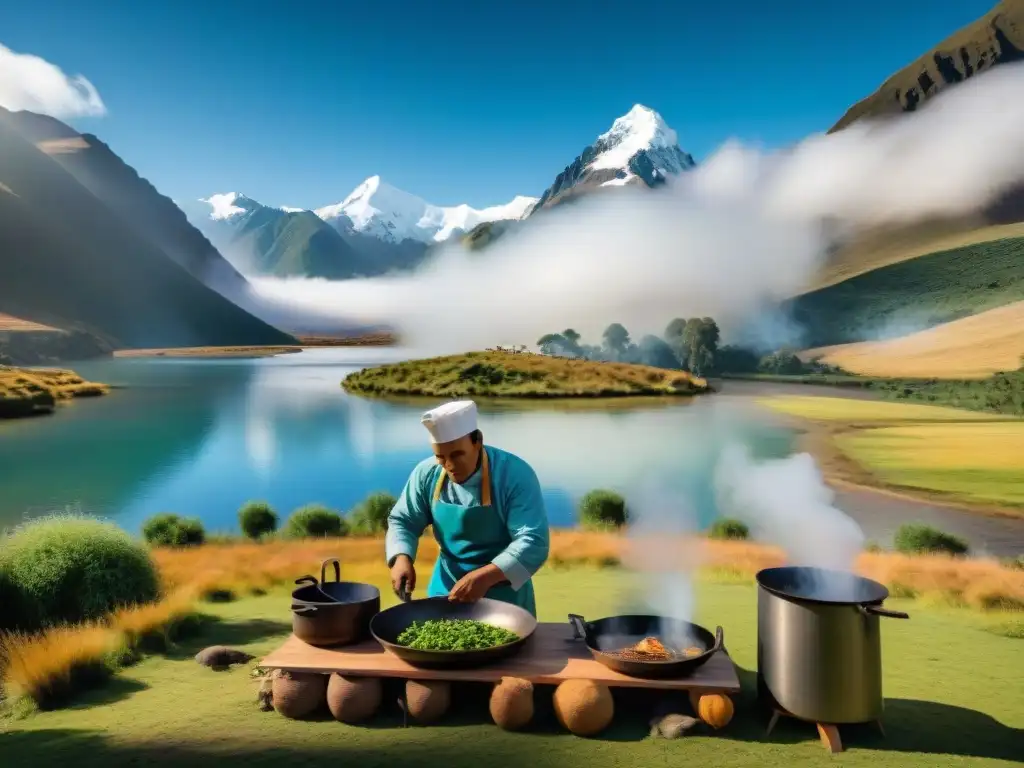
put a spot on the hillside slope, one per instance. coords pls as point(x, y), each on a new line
point(86, 269)
point(995, 38)
point(913, 295)
point(972, 347)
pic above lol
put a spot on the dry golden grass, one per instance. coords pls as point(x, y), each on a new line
point(10, 323)
point(972, 347)
point(24, 392)
point(243, 567)
point(504, 374)
point(859, 412)
point(40, 665)
point(978, 461)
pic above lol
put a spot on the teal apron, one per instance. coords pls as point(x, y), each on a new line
point(470, 538)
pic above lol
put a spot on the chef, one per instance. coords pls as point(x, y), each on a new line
point(487, 513)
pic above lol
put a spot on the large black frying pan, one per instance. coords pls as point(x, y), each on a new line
point(387, 625)
point(333, 612)
point(605, 637)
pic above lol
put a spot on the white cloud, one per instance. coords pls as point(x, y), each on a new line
point(31, 83)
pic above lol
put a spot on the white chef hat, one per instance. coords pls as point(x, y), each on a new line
point(450, 421)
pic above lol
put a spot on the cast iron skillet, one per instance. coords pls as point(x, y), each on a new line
point(387, 625)
point(605, 636)
point(333, 612)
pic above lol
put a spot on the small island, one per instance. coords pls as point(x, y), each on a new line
point(34, 391)
point(520, 374)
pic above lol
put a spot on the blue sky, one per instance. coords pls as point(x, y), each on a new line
point(296, 102)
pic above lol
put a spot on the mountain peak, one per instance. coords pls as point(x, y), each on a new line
point(640, 128)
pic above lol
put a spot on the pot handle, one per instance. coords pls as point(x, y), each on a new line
point(323, 569)
point(301, 610)
point(307, 580)
point(579, 626)
point(877, 610)
point(719, 640)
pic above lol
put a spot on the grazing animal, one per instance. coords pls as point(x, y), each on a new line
point(221, 657)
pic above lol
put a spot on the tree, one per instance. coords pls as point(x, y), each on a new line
point(656, 352)
point(616, 338)
point(731, 359)
point(700, 338)
point(674, 337)
point(552, 344)
point(783, 363)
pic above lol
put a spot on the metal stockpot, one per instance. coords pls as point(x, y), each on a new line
point(819, 651)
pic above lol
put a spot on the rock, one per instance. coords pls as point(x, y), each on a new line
point(512, 703)
point(427, 700)
point(584, 707)
point(221, 657)
point(297, 694)
point(672, 726)
point(353, 699)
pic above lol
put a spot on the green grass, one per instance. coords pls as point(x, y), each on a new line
point(917, 293)
point(503, 374)
point(170, 711)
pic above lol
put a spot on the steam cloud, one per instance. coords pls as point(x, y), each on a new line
point(741, 231)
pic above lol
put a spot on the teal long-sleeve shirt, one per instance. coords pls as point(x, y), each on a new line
point(515, 496)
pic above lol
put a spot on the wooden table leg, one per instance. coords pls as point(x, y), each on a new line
point(829, 735)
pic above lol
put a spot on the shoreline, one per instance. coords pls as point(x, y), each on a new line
point(257, 351)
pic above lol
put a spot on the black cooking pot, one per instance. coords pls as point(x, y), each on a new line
point(333, 612)
point(607, 638)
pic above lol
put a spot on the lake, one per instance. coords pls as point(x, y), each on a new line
point(201, 437)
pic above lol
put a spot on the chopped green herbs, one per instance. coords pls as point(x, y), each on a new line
point(454, 635)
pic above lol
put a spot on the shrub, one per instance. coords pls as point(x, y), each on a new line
point(169, 530)
point(257, 519)
point(371, 515)
point(729, 529)
point(601, 510)
point(314, 520)
point(915, 538)
point(70, 568)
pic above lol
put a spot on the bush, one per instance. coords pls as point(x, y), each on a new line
point(915, 538)
point(72, 568)
point(314, 520)
point(371, 515)
point(727, 528)
point(169, 530)
point(257, 519)
point(602, 510)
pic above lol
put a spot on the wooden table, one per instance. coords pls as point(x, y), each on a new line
point(549, 657)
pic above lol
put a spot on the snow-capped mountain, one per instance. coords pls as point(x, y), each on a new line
point(379, 209)
point(640, 147)
point(376, 229)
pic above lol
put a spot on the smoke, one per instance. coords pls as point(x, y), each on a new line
point(785, 502)
point(744, 230)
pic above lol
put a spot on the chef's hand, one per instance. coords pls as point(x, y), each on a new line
point(475, 584)
point(403, 570)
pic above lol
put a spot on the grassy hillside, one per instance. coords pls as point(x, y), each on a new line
point(87, 269)
point(502, 374)
point(891, 245)
point(995, 38)
point(912, 295)
point(975, 346)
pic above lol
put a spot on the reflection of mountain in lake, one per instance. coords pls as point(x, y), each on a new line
point(98, 455)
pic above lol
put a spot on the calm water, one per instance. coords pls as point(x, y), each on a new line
point(202, 437)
